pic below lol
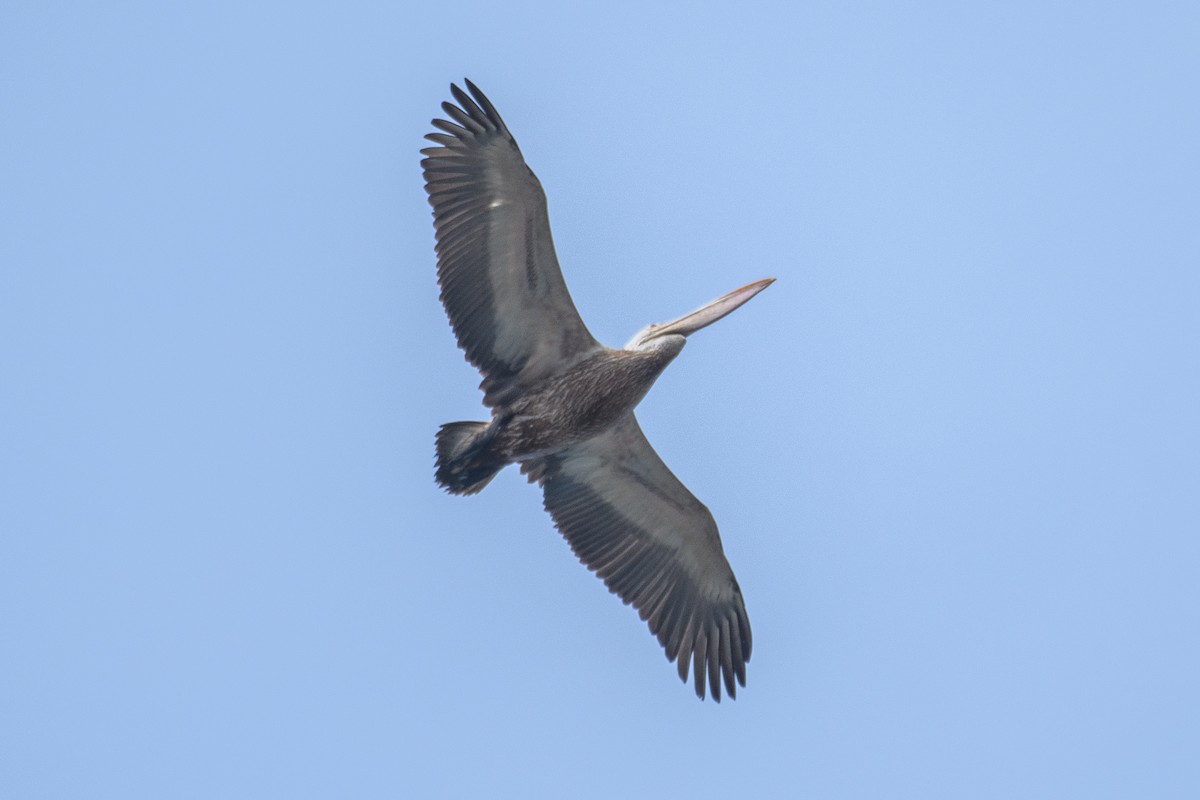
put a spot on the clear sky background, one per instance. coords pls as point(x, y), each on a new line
point(952, 451)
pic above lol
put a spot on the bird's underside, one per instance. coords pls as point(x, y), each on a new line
point(562, 403)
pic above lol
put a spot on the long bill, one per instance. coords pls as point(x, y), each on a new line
point(711, 312)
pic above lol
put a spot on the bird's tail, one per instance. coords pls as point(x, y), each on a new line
point(464, 465)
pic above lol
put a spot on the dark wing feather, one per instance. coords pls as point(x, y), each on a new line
point(501, 284)
point(655, 545)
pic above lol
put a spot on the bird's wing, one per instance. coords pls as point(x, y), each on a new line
point(655, 545)
point(500, 280)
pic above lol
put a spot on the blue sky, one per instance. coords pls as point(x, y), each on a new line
point(952, 451)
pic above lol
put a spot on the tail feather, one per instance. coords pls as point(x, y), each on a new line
point(464, 465)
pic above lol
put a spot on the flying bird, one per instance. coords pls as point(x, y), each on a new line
point(562, 403)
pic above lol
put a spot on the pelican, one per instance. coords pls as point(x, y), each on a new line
point(562, 403)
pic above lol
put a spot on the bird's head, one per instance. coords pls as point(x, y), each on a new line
point(673, 333)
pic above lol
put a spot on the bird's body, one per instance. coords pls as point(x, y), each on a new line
point(565, 409)
point(562, 403)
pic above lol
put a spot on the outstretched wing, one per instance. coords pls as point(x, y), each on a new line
point(655, 545)
point(501, 284)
